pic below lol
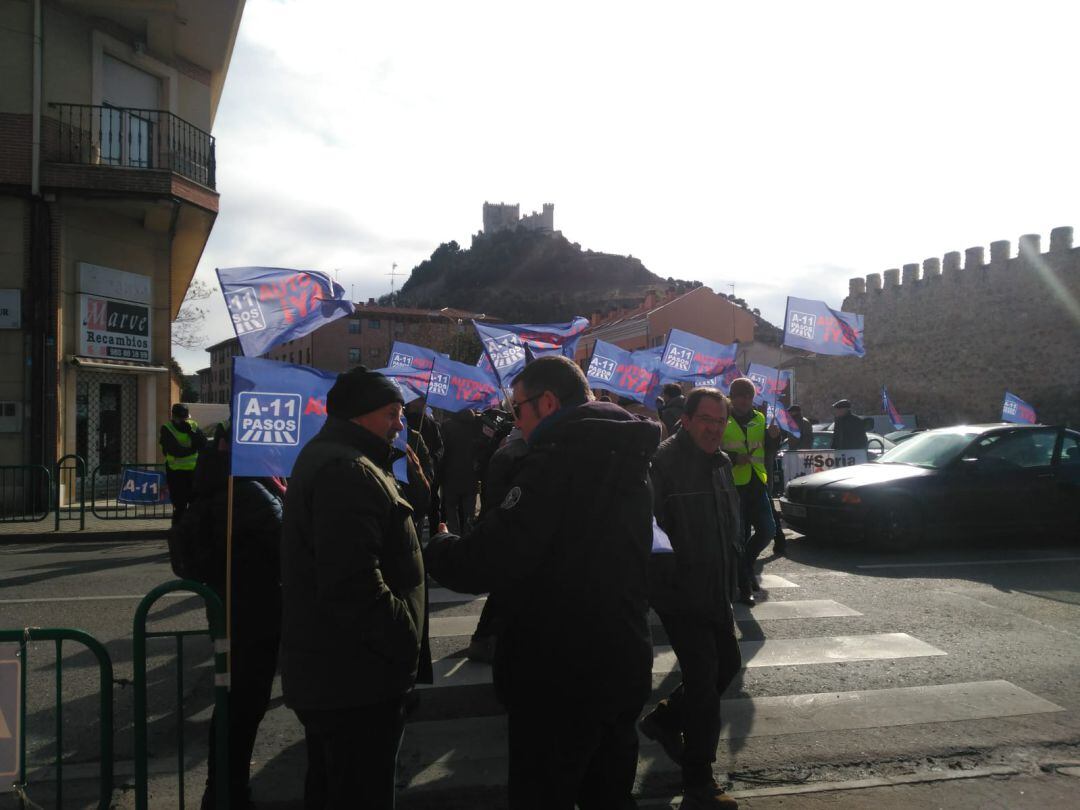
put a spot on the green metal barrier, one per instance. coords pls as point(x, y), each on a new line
point(59, 635)
point(25, 493)
point(74, 477)
point(216, 616)
point(105, 484)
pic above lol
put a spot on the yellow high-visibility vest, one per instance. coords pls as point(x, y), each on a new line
point(750, 442)
point(184, 439)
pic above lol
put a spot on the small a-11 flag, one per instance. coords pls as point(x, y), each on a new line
point(509, 346)
point(891, 411)
point(271, 305)
point(1014, 409)
point(815, 327)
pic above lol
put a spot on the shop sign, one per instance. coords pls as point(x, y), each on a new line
point(114, 330)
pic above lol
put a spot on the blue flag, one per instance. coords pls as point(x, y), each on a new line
point(778, 414)
point(625, 373)
point(1016, 410)
point(408, 356)
point(689, 357)
point(270, 305)
point(456, 386)
point(815, 327)
point(891, 411)
point(142, 487)
point(768, 382)
point(505, 343)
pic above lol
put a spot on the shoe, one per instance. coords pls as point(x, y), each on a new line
point(755, 586)
point(670, 739)
point(708, 796)
point(747, 598)
point(779, 546)
point(481, 649)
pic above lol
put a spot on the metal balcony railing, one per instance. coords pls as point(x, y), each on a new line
point(101, 135)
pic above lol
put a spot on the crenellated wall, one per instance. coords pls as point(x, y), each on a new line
point(504, 217)
point(949, 336)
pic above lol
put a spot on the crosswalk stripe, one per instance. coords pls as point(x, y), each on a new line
point(450, 672)
point(440, 596)
point(473, 750)
point(445, 627)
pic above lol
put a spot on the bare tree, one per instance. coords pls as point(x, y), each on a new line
point(187, 329)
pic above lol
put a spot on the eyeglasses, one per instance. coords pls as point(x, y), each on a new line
point(710, 421)
point(517, 405)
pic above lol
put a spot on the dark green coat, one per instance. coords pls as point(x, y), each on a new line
point(697, 505)
point(352, 575)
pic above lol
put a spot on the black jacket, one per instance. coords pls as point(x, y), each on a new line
point(352, 575)
point(849, 433)
point(671, 412)
point(567, 552)
point(697, 505)
point(256, 544)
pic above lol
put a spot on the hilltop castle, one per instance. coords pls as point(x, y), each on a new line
point(504, 217)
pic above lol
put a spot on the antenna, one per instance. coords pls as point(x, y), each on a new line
point(732, 312)
point(393, 277)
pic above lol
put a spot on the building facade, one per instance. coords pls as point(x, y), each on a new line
point(363, 338)
point(700, 311)
point(107, 199)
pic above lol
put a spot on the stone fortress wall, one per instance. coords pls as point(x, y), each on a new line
point(504, 217)
point(950, 336)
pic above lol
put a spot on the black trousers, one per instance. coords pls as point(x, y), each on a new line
point(252, 677)
point(709, 660)
point(459, 509)
point(181, 483)
point(352, 756)
point(566, 754)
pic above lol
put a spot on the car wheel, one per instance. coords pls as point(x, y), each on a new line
point(896, 525)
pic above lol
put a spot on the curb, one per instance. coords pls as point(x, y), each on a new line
point(83, 536)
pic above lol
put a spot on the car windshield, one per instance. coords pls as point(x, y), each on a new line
point(933, 450)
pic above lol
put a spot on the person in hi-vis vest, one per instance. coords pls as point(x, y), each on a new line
point(747, 441)
point(180, 441)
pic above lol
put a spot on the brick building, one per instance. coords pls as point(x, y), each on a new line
point(107, 199)
point(364, 338)
point(700, 311)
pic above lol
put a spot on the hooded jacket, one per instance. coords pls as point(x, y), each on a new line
point(352, 575)
point(697, 505)
point(567, 553)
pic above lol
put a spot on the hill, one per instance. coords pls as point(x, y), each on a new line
point(529, 276)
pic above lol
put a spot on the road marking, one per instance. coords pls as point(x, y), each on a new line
point(769, 653)
point(440, 596)
point(473, 750)
point(135, 597)
point(961, 563)
point(446, 627)
point(769, 581)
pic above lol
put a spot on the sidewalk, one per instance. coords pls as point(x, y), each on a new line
point(97, 530)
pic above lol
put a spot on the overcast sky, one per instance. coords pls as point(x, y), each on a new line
point(783, 147)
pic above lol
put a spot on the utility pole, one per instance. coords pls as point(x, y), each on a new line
point(732, 299)
point(393, 276)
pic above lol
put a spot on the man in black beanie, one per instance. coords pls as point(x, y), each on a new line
point(353, 596)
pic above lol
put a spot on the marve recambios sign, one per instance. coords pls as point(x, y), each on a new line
point(114, 330)
point(798, 463)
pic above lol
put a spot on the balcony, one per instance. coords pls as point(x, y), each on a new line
point(122, 137)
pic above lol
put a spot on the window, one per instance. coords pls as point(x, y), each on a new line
point(309, 355)
point(354, 356)
point(354, 326)
point(399, 326)
point(1021, 448)
point(1070, 450)
point(290, 357)
point(372, 324)
point(373, 351)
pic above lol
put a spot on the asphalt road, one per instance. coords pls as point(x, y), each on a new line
point(859, 666)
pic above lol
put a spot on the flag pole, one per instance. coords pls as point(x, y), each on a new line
point(228, 576)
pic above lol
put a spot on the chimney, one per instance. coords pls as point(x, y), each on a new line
point(371, 302)
point(650, 299)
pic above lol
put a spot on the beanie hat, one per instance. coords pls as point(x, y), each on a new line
point(180, 411)
point(359, 391)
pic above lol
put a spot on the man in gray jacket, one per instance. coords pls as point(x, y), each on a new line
point(353, 596)
point(697, 506)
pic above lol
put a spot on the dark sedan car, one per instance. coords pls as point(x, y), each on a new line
point(970, 479)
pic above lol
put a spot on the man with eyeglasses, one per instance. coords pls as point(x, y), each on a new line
point(567, 553)
point(697, 505)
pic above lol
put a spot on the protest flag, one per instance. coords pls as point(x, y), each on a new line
point(777, 414)
point(456, 386)
point(271, 305)
point(505, 343)
point(689, 357)
point(625, 373)
point(1014, 409)
point(816, 327)
point(891, 411)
